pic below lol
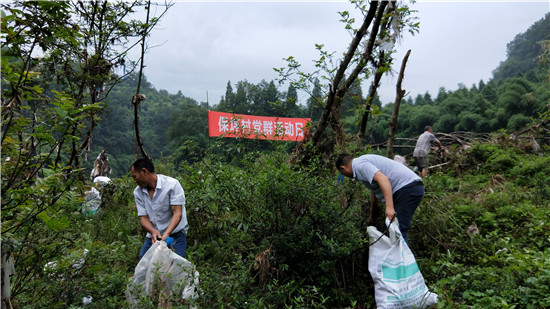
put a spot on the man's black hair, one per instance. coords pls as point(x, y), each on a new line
point(144, 163)
point(343, 159)
point(426, 128)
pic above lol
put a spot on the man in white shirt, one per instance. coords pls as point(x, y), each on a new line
point(160, 203)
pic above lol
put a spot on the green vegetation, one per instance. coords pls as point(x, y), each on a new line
point(266, 235)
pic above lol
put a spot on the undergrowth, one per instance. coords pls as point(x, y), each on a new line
point(266, 234)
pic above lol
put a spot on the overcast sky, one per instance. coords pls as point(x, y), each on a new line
point(200, 46)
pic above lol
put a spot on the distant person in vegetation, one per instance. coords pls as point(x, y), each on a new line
point(92, 199)
point(388, 181)
point(422, 150)
point(160, 203)
point(100, 181)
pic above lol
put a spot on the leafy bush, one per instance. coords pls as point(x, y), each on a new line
point(489, 158)
point(284, 226)
point(483, 243)
point(267, 234)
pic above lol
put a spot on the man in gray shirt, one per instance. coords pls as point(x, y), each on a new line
point(388, 181)
point(422, 150)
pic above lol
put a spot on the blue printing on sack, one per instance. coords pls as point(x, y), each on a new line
point(399, 273)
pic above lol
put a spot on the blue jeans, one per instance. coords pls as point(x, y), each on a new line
point(179, 245)
point(405, 202)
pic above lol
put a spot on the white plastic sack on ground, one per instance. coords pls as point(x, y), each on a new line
point(161, 270)
point(92, 201)
point(398, 282)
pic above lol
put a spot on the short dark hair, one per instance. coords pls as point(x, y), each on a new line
point(426, 128)
point(343, 159)
point(144, 163)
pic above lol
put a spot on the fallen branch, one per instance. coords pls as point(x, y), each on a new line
point(438, 165)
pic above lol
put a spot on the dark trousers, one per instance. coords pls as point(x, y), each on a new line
point(179, 245)
point(405, 202)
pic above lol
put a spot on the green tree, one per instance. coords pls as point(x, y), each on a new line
point(441, 94)
point(188, 131)
point(515, 97)
point(290, 106)
point(421, 117)
point(523, 50)
point(58, 61)
point(265, 99)
point(315, 102)
point(241, 104)
point(379, 32)
point(227, 102)
point(469, 122)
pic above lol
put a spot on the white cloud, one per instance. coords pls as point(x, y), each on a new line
point(461, 43)
point(203, 45)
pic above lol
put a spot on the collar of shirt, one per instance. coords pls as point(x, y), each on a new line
point(157, 188)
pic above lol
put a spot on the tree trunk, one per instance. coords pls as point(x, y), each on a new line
point(137, 98)
point(372, 91)
point(340, 86)
point(400, 93)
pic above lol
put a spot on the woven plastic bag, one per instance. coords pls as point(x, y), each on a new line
point(161, 270)
point(398, 282)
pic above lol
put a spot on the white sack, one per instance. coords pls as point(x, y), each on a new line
point(398, 282)
point(176, 275)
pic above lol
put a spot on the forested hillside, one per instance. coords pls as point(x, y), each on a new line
point(267, 228)
point(173, 124)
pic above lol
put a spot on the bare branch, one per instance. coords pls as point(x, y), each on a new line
point(400, 94)
point(137, 98)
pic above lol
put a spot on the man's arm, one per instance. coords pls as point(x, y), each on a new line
point(148, 226)
point(176, 218)
point(435, 139)
point(438, 142)
point(386, 189)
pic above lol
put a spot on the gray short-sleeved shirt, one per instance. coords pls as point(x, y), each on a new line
point(423, 144)
point(167, 193)
point(399, 175)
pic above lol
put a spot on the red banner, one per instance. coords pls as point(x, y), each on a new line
point(246, 126)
